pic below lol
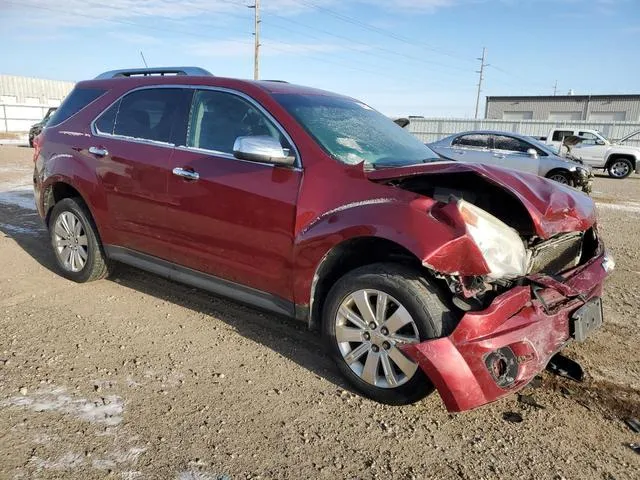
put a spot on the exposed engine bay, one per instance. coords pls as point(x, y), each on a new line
point(549, 256)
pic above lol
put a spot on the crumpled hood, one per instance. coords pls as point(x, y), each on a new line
point(553, 208)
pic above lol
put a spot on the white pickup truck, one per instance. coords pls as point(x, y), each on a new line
point(598, 152)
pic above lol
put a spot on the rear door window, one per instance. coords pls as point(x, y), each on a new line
point(477, 141)
point(559, 135)
point(74, 102)
point(156, 114)
point(510, 144)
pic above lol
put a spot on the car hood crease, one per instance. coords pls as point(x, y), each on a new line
point(553, 208)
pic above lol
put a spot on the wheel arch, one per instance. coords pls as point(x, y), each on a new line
point(618, 156)
point(563, 170)
point(346, 256)
point(60, 188)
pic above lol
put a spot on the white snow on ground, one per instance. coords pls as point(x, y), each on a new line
point(66, 462)
point(106, 410)
point(632, 207)
point(18, 192)
point(195, 475)
point(8, 228)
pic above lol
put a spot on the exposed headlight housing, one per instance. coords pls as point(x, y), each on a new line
point(502, 248)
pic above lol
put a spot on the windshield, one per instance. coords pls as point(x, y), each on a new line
point(353, 132)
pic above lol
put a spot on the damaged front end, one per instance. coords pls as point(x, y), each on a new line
point(524, 265)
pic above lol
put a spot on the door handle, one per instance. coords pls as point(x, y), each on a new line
point(98, 151)
point(498, 155)
point(186, 173)
point(459, 152)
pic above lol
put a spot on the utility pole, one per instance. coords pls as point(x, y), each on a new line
point(256, 35)
point(481, 72)
point(555, 88)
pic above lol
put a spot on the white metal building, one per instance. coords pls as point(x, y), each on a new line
point(25, 100)
point(593, 108)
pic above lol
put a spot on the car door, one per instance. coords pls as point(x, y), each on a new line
point(470, 147)
point(133, 148)
point(236, 220)
point(592, 150)
point(511, 152)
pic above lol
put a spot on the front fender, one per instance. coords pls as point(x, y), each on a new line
point(423, 227)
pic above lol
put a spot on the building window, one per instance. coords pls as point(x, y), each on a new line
point(608, 116)
point(564, 116)
point(517, 115)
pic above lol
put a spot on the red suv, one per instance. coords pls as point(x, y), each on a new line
point(420, 273)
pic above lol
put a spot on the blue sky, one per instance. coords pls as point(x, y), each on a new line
point(401, 56)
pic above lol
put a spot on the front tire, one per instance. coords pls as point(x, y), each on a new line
point(561, 177)
point(75, 241)
point(620, 168)
point(368, 314)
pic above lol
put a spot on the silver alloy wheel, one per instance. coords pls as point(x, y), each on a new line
point(370, 326)
point(560, 179)
point(619, 169)
point(70, 242)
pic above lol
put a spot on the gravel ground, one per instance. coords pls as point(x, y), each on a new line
point(138, 377)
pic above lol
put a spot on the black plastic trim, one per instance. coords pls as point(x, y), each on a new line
point(240, 293)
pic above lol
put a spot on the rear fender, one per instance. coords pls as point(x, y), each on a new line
point(77, 174)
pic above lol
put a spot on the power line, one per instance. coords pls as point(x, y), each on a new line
point(381, 31)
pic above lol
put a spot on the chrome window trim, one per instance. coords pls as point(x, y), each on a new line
point(281, 129)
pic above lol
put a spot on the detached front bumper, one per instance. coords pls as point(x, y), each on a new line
point(520, 331)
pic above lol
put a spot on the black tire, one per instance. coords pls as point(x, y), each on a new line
point(620, 168)
point(432, 317)
point(31, 142)
point(561, 176)
point(96, 265)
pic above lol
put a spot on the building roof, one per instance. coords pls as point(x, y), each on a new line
point(629, 96)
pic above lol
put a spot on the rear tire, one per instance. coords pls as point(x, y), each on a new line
point(76, 245)
point(398, 296)
point(620, 168)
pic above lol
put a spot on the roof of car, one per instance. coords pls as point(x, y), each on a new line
point(269, 86)
point(489, 132)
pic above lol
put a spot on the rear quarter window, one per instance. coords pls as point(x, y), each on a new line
point(559, 135)
point(75, 101)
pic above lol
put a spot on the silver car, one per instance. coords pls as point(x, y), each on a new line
point(518, 152)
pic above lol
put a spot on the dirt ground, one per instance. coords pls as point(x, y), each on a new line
point(138, 377)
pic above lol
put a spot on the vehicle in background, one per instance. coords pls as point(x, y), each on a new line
point(511, 150)
point(419, 273)
point(598, 152)
point(633, 139)
point(36, 128)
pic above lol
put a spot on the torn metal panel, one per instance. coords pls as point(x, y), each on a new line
point(516, 321)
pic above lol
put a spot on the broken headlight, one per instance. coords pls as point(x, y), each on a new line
point(500, 245)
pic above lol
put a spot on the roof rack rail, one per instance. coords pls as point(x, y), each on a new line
point(161, 71)
point(276, 81)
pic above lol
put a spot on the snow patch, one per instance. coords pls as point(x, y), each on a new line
point(195, 475)
point(106, 410)
point(632, 207)
point(8, 228)
point(66, 462)
point(19, 196)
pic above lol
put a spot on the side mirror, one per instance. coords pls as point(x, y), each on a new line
point(261, 148)
point(600, 142)
point(532, 152)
